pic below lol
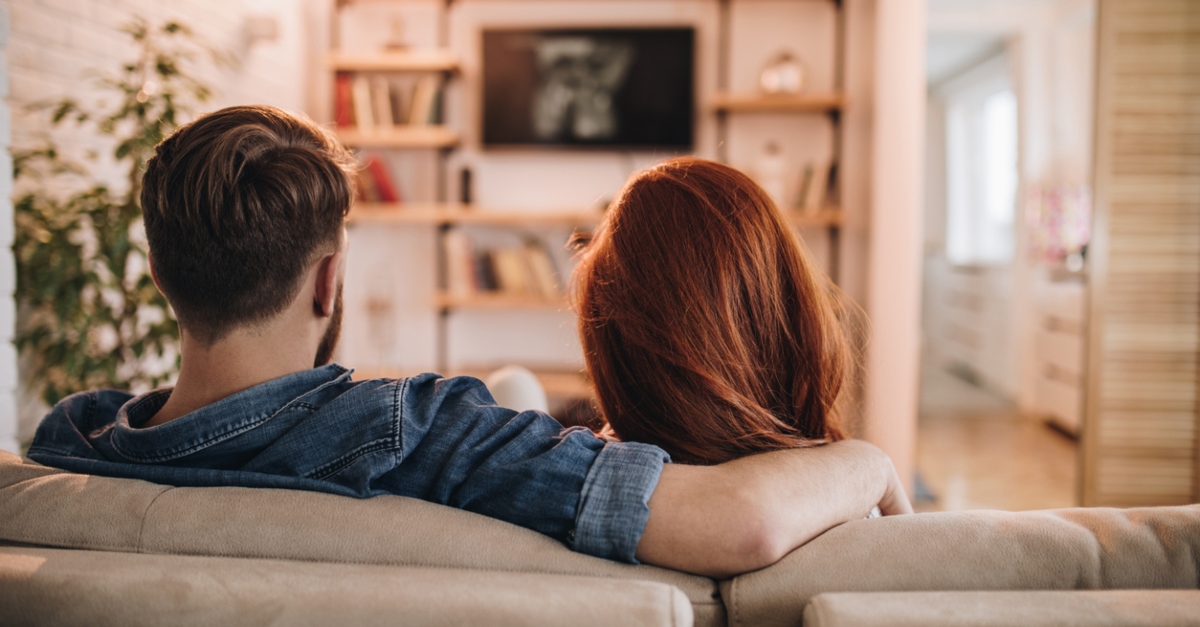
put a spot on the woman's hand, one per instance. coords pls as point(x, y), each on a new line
point(895, 499)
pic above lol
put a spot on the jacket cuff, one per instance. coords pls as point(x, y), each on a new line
point(615, 502)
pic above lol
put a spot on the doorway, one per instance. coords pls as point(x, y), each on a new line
point(1007, 207)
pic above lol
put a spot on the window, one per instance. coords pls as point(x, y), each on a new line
point(981, 172)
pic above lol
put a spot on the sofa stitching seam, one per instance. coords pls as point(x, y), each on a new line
point(146, 514)
point(737, 606)
point(671, 606)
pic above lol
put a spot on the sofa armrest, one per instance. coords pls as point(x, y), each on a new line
point(75, 587)
point(1128, 608)
point(980, 550)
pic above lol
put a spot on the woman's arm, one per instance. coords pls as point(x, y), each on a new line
point(743, 515)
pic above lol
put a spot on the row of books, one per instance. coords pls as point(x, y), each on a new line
point(527, 270)
point(377, 102)
point(818, 187)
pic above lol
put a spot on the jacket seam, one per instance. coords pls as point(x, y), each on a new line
point(340, 464)
point(185, 451)
point(41, 448)
point(398, 392)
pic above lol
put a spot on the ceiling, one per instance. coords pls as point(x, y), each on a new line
point(964, 32)
point(948, 53)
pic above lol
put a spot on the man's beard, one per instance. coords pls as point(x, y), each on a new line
point(332, 333)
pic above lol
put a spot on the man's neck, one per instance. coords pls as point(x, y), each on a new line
point(237, 362)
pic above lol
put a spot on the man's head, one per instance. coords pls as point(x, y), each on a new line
point(239, 205)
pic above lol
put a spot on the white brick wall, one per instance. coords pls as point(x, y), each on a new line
point(52, 44)
point(8, 315)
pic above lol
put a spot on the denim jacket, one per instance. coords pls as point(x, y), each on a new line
point(441, 440)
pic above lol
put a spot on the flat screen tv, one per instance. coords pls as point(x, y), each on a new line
point(621, 88)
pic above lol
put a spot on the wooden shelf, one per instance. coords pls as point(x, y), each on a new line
point(557, 383)
point(400, 137)
point(818, 219)
point(395, 61)
point(760, 103)
point(496, 300)
point(435, 214)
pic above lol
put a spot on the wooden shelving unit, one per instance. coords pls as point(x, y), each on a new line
point(826, 218)
point(394, 61)
point(450, 214)
point(802, 103)
point(444, 216)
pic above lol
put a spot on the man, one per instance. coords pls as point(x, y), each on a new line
point(245, 214)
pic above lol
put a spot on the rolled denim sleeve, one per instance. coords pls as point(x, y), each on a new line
point(461, 449)
point(615, 502)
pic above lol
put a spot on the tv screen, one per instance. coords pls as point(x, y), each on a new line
point(609, 88)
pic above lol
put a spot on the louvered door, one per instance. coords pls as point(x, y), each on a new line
point(1140, 444)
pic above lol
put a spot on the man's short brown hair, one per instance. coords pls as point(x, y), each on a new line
point(237, 205)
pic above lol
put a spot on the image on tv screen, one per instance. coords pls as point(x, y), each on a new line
point(618, 88)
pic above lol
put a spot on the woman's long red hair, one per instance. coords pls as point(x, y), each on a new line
point(706, 328)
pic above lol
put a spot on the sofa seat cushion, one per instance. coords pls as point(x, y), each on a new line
point(1069, 549)
point(1094, 608)
point(48, 507)
point(76, 587)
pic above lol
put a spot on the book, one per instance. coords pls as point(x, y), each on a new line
point(814, 199)
point(421, 105)
point(512, 273)
point(399, 107)
point(381, 180)
point(381, 102)
point(833, 193)
point(343, 101)
point(435, 107)
point(485, 272)
point(541, 270)
point(460, 263)
point(360, 88)
point(806, 176)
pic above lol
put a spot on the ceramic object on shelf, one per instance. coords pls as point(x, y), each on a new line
point(771, 173)
point(784, 74)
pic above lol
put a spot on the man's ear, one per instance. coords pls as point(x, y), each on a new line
point(325, 294)
point(153, 274)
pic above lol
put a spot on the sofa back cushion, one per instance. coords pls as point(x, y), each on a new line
point(52, 508)
point(1033, 608)
point(1069, 549)
point(67, 587)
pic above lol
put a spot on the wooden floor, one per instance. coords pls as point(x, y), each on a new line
point(974, 451)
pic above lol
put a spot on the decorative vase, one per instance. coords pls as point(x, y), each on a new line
point(783, 74)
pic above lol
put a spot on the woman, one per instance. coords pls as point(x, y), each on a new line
point(706, 328)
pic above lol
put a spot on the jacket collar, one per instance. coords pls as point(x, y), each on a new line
point(212, 424)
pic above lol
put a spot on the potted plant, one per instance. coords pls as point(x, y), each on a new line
point(89, 315)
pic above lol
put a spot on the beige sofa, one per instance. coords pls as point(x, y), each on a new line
point(82, 549)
